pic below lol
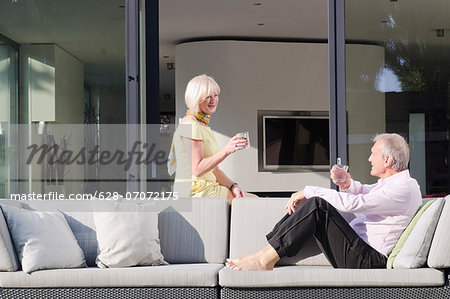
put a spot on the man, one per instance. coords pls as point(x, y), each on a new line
point(384, 210)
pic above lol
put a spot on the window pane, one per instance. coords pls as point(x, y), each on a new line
point(72, 71)
point(8, 115)
point(398, 75)
point(269, 55)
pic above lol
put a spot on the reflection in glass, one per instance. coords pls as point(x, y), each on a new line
point(412, 81)
point(72, 71)
point(8, 106)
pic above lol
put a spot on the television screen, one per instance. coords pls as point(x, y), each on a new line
point(295, 142)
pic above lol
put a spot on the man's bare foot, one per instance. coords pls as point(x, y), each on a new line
point(264, 259)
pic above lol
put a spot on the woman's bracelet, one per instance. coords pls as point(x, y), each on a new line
point(232, 185)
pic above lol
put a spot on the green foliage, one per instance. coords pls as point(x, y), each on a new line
point(418, 67)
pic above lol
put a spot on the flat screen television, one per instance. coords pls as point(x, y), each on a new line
point(293, 140)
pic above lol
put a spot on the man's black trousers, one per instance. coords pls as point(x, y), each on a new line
point(338, 241)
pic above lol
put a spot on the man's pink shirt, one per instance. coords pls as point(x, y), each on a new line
point(383, 209)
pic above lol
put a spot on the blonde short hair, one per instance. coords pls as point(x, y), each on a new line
point(396, 147)
point(198, 89)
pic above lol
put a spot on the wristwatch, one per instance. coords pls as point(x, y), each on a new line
point(232, 185)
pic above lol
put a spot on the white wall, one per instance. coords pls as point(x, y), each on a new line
point(68, 82)
point(257, 76)
point(69, 88)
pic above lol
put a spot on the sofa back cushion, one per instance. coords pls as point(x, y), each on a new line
point(43, 240)
point(127, 235)
point(406, 233)
point(253, 218)
point(193, 230)
point(197, 234)
point(79, 216)
point(415, 250)
point(439, 255)
point(8, 258)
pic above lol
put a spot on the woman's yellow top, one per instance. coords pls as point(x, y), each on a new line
point(186, 184)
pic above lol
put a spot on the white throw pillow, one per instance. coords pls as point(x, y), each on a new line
point(43, 240)
point(439, 255)
point(127, 235)
point(415, 250)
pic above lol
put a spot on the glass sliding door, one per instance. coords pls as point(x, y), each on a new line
point(72, 85)
point(8, 116)
point(397, 80)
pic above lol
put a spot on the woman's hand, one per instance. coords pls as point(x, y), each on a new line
point(296, 199)
point(235, 144)
point(237, 191)
point(341, 184)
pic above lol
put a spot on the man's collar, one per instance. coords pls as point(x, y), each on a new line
point(396, 175)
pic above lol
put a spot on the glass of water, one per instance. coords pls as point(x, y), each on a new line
point(341, 175)
point(246, 137)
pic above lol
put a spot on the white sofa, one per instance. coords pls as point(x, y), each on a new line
point(196, 239)
point(310, 275)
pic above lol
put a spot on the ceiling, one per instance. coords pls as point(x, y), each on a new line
point(94, 31)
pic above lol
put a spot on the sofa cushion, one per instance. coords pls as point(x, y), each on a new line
point(43, 240)
point(405, 234)
point(191, 230)
point(79, 216)
point(253, 218)
point(195, 235)
point(415, 250)
point(439, 255)
point(192, 275)
point(8, 257)
point(83, 228)
point(127, 235)
point(326, 276)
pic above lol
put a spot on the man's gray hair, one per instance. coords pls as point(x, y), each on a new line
point(396, 147)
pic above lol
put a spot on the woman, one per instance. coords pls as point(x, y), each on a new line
point(196, 150)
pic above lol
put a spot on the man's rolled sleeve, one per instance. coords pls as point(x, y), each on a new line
point(309, 191)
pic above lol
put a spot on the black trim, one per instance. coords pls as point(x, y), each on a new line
point(152, 61)
point(336, 46)
point(273, 194)
point(132, 61)
point(152, 113)
point(132, 85)
point(341, 106)
point(254, 39)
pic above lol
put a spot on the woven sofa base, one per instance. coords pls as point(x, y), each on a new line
point(336, 293)
point(156, 293)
